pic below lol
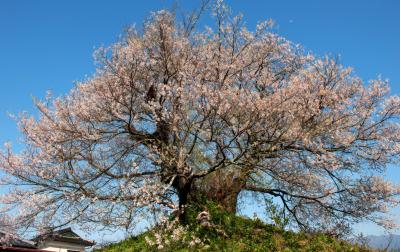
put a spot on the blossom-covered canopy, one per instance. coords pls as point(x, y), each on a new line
point(171, 108)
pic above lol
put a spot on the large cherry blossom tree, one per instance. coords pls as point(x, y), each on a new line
point(174, 114)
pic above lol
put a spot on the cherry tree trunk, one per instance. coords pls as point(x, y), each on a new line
point(222, 187)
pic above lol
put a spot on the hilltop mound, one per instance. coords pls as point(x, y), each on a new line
point(216, 230)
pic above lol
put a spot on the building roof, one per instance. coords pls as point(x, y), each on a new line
point(7, 248)
point(64, 235)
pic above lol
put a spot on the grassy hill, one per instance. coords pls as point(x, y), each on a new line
point(228, 232)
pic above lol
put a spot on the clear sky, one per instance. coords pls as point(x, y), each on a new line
point(47, 45)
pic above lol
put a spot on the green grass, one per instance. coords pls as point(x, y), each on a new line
point(235, 234)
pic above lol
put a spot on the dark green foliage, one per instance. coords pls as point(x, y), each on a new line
point(235, 233)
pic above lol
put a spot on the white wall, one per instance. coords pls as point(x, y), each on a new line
point(60, 246)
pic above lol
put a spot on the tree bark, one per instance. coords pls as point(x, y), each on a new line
point(222, 187)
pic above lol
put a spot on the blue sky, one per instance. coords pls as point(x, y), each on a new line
point(47, 45)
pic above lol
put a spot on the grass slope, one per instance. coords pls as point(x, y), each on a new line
point(239, 234)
